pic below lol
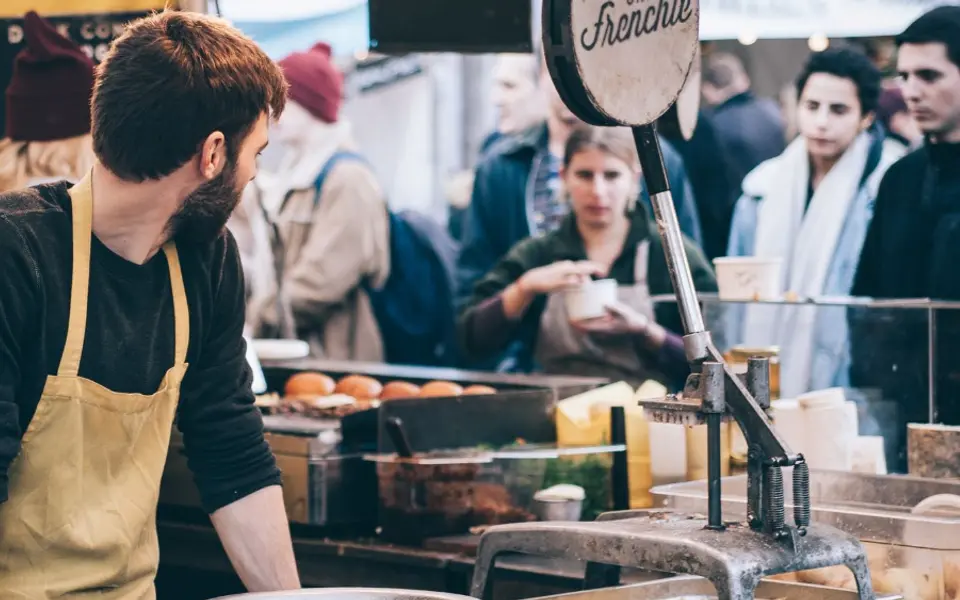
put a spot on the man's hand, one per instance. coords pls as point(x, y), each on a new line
point(256, 535)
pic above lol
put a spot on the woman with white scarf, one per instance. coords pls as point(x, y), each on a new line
point(810, 207)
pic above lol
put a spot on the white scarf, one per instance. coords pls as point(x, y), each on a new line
point(806, 239)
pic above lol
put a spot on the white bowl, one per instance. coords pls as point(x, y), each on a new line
point(749, 278)
point(281, 349)
point(590, 300)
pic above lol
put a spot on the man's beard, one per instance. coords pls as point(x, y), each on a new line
point(204, 214)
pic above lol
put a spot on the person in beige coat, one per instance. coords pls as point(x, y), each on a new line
point(308, 253)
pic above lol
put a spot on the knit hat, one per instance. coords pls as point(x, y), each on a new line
point(315, 82)
point(48, 97)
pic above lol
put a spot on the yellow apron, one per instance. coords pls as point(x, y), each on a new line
point(80, 518)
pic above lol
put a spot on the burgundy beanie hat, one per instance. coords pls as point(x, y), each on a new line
point(48, 97)
point(315, 82)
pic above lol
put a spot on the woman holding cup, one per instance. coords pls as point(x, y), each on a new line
point(579, 299)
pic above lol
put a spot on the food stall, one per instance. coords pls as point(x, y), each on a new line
point(438, 459)
point(484, 445)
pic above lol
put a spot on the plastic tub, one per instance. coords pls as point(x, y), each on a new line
point(749, 278)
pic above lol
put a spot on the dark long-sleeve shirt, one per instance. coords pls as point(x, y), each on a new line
point(129, 342)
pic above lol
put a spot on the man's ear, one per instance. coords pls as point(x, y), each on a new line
point(213, 155)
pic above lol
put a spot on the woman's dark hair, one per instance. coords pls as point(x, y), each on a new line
point(938, 26)
point(846, 63)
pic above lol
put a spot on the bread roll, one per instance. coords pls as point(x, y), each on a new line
point(360, 387)
point(399, 389)
point(309, 383)
point(436, 389)
point(479, 390)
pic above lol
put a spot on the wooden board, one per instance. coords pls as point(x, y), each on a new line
point(933, 451)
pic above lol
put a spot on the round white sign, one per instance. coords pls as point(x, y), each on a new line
point(634, 55)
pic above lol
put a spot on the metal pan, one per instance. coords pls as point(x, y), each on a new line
point(697, 588)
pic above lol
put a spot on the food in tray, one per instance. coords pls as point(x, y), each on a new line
point(911, 583)
point(429, 500)
point(399, 389)
point(360, 387)
point(478, 390)
point(435, 389)
point(309, 383)
point(267, 401)
point(318, 395)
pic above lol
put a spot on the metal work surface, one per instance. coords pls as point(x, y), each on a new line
point(874, 508)
point(697, 588)
point(734, 559)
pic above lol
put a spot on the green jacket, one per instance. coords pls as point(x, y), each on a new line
point(566, 244)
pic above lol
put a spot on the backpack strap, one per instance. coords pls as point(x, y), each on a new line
point(328, 166)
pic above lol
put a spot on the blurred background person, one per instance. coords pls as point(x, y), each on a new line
point(605, 234)
point(896, 119)
point(912, 247)
point(307, 251)
point(47, 120)
point(811, 207)
point(750, 128)
point(519, 104)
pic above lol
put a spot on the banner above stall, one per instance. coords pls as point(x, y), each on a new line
point(800, 19)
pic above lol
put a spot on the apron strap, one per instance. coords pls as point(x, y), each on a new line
point(641, 263)
point(181, 310)
point(81, 199)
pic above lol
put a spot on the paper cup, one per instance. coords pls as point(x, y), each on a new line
point(748, 278)
point(590, 300)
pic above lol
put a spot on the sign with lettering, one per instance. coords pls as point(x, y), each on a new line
point(631, 57)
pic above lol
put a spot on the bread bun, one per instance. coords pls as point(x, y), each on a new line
point(309, 383)
point(399, 389)
point(436, 389)
point(360, 387)
point(479, 390)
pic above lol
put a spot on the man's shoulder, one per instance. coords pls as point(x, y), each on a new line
point(35, 218)
point(28, 203)
point(904, 178)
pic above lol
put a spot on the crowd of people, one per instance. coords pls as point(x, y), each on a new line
point(857, 202)
point(125, 300)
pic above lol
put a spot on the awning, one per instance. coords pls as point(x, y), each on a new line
point(800, 19)
point(284, 26)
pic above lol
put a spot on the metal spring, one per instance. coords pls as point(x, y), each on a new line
point(801, 494)
point(774, 497)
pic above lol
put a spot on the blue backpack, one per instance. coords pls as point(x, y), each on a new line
point(414, 308)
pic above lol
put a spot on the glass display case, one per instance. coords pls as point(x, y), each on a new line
point(897, 360)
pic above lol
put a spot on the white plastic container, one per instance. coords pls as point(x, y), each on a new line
point(749, 278)
point(590, 300)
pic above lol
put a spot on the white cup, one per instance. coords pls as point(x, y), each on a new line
point(590, 300)
point(748, 278)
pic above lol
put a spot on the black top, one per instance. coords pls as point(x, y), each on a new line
point(912, 247)
point(129, 343)
point(911, 250)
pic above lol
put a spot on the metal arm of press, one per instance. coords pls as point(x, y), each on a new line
point(746, 401)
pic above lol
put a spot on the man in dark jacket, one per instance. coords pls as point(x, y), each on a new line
point(912, 247)
point(750, 128)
